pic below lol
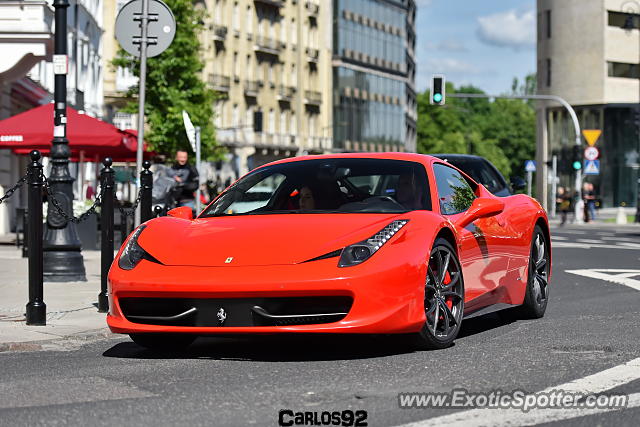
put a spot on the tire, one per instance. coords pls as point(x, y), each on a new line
point(536, 294)
point(443, 299)
point(163, 342)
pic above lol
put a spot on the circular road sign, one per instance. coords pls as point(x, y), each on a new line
point(591, 153)
point(160, 30)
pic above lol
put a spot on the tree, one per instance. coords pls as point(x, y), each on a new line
point(174, 84)
point(503, 131)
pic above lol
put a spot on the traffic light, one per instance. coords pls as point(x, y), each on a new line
point(577, 157)
point(257, 121)
point(437, 90)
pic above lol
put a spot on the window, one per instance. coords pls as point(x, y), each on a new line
point(454, 193)
point(249, 19)
point(236, 116)
point(294, 31)
point(236, 17)
point(627, 21)
point(283, 31)
point(548, 72)
point(248, 121)
point(294, 75)
point(249, 67)
point(283, 122)
point(547, 20)
point(236, 73)
point(272, 121)
point(294, 124)
point(621, 69)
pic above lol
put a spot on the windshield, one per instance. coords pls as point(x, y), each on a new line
point(327, 186)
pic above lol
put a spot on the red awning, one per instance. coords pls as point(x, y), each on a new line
point(89, 138)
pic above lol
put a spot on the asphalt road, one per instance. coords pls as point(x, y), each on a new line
point(591, 325)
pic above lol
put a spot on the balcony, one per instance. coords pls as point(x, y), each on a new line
point(285, 93)
point(219, 33)
point(251, 88)
point(313, 54)
point(312, 97)
point(219, 82)
point(274, 3)
point(267, 45)
point(312, 8)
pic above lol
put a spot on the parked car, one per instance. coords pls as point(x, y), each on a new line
point(482, 171)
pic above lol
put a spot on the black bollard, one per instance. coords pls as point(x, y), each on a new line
point(146, 186)
point(157, 211)
point(36, 308)
point(106, 224)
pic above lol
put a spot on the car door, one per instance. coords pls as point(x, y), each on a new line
point(481, 243)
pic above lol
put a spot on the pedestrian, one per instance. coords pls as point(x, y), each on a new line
point(186, 177)
point(563, 200)
point(590, 198)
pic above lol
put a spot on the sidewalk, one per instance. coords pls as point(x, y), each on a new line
point(72, 315)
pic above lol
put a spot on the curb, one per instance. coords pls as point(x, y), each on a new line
point(69, 342)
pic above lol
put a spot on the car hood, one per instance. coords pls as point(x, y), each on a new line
point(255, 240)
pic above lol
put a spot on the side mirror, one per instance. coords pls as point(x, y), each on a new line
point(481, 207)
point(183, 212)
point(517, 183)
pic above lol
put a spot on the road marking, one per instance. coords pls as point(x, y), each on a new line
point(621, 239)
point(576, 245)
point(596, 383)
point(597, 242)
point(558, 238)
point(620, 276)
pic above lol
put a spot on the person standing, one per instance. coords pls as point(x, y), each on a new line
point(590, 200)
point(186, 177)
point(563, 199)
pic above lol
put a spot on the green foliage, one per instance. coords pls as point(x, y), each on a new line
point(174, 84)
point(503, 131)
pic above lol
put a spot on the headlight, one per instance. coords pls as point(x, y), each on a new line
point(132, 253)
point(362, 251)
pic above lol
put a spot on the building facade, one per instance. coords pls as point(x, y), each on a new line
point(588, 53)
point(374, 98)
point(270, 62)
point(26, 72)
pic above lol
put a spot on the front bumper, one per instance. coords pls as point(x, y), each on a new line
point(385, 300)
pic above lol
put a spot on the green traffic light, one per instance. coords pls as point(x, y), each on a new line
point(437, 97)
point(577, 165)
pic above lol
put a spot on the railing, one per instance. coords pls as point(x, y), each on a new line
point(313, 8)
point(267, 45)
point(312, 97)
point(312, 54)
point(251, 88)
point(219, 82)
point(286, 93)
point(219, 32)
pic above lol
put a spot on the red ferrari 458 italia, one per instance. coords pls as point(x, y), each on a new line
point(384, 243)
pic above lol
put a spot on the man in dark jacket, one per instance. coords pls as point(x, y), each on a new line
point(186, 177)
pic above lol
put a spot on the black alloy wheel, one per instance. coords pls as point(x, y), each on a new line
point(537, 292)
point(443, 298)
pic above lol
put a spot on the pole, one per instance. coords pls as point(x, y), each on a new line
point(106, 225)
point(554, 184)
point(529, 179)
point(144, 21)
point(146, 186)
point(62, 259)
point(36, 308)
point(198, 151)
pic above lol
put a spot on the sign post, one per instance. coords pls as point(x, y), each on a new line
point(144, 28)
point(193, 134)
point(530, 168)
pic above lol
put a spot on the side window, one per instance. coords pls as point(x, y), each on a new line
point(454, 193)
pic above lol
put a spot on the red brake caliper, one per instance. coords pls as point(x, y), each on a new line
point(447, 280)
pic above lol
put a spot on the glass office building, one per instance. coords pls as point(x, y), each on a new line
point(374, 99)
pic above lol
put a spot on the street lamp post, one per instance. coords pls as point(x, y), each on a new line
point(62, 258)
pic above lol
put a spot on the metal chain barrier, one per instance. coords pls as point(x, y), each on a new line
point(132, 210)
point(60, 209)
point(13, 189)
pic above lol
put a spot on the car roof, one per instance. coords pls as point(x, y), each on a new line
point(414, 157)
